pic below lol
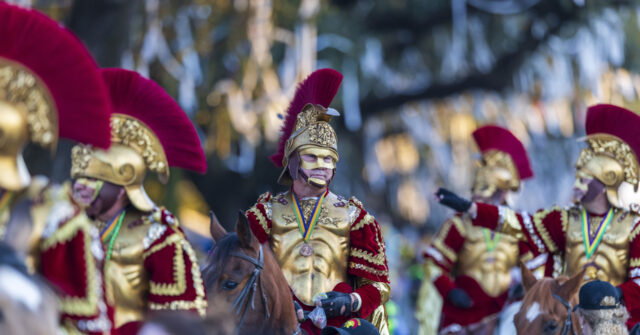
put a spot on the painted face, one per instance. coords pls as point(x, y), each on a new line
point(86, 190)
point(318, 165)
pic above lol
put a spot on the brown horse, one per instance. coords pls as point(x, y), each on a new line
point(246, 275)
point(546, 305)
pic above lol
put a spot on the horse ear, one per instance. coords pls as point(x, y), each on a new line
point(216, 230)
point(528, 279)
point(571, 286)
point(244, 231)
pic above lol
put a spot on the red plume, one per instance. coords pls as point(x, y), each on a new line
point(319, 88)
point(616, 121)
point(143, 99)
point(497, 138)
point(60, 60)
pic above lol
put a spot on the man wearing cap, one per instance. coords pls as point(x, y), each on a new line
point(478, 259)
point(324, 243)
point(50, 87)
point(595, 233)
point(601, 310)
point(149, 263)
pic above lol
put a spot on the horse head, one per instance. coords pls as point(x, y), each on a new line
point(245, 274)
point(547, 303)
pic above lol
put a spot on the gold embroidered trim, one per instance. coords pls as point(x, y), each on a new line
point(179, 276)
point(542, 230)
point(171, 239)
point(439, 244)
point(198, 283)
point(83, 306)
point(366, 220)
point(369, 269)
point(368, 256)
point(634, 262)
point(636, 230)
point(261, 219)
point(65, 233)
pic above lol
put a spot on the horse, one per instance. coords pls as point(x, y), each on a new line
point(246, 275)
point(547, 307)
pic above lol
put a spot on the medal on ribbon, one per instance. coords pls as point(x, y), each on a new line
point(491, 239)
point(306, 225)
point(591, 244)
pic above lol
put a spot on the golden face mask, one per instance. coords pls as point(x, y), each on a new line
point(313, 158)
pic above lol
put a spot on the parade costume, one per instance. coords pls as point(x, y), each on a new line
point(478, 259)
point(149, 263)
point(606, 245)
point(50, 87)
point(326, 243)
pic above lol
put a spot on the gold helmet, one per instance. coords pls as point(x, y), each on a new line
point(49, 87)
point(306, 129)
point(149, 132)
point(504, 161)
point(610, 156)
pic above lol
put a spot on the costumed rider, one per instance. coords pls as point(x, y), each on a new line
point(594, 233)
point(324, 243)
point(476, 262)
point(149, 263)
point(50, 87)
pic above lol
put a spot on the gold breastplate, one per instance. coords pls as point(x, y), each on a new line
point(127, 281)
point(610, 260)
point(489, 268)
point(327, 264)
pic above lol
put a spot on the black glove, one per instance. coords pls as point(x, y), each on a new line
point(452, 200)
point(459, 298)
point(337, 304)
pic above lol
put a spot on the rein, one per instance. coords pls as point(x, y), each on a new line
point(568, 323)
point(246, 297)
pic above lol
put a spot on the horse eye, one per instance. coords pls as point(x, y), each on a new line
point(229, 285)
point(551, 327)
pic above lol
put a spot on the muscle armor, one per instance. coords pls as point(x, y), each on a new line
point(489, 268)
point(152, 267)
point(327, 266)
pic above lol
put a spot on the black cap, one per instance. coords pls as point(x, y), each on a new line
point(598, 295)
point(353, 326)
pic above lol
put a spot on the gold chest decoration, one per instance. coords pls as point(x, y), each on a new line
point(127, 281)
point(487, 258)
point(319, 264)
point(610, 260)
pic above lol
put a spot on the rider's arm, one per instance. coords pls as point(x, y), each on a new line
point(175, 282)
point(443, 251)
point(367, 259)
point(631, 288)
point(543, 232)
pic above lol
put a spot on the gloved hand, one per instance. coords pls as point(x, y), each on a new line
point(452, 200)
point(337, 304)
point(459, 298)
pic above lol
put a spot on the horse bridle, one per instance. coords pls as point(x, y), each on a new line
point(568, 323)
point(246, 297)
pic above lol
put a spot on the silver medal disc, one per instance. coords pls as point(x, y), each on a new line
point(306, 250)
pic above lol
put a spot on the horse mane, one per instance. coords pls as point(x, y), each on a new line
point(218, 258)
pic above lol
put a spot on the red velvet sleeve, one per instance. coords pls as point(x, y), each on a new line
point(444, 285)
point(371, 299)
point(631, 288)
point(367, 254)
point(444, 248)
point(259, 217)
point(544, 232)
point(175, 282)
point(71, 260)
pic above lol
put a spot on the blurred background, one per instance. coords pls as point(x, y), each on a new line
point(419, 77)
